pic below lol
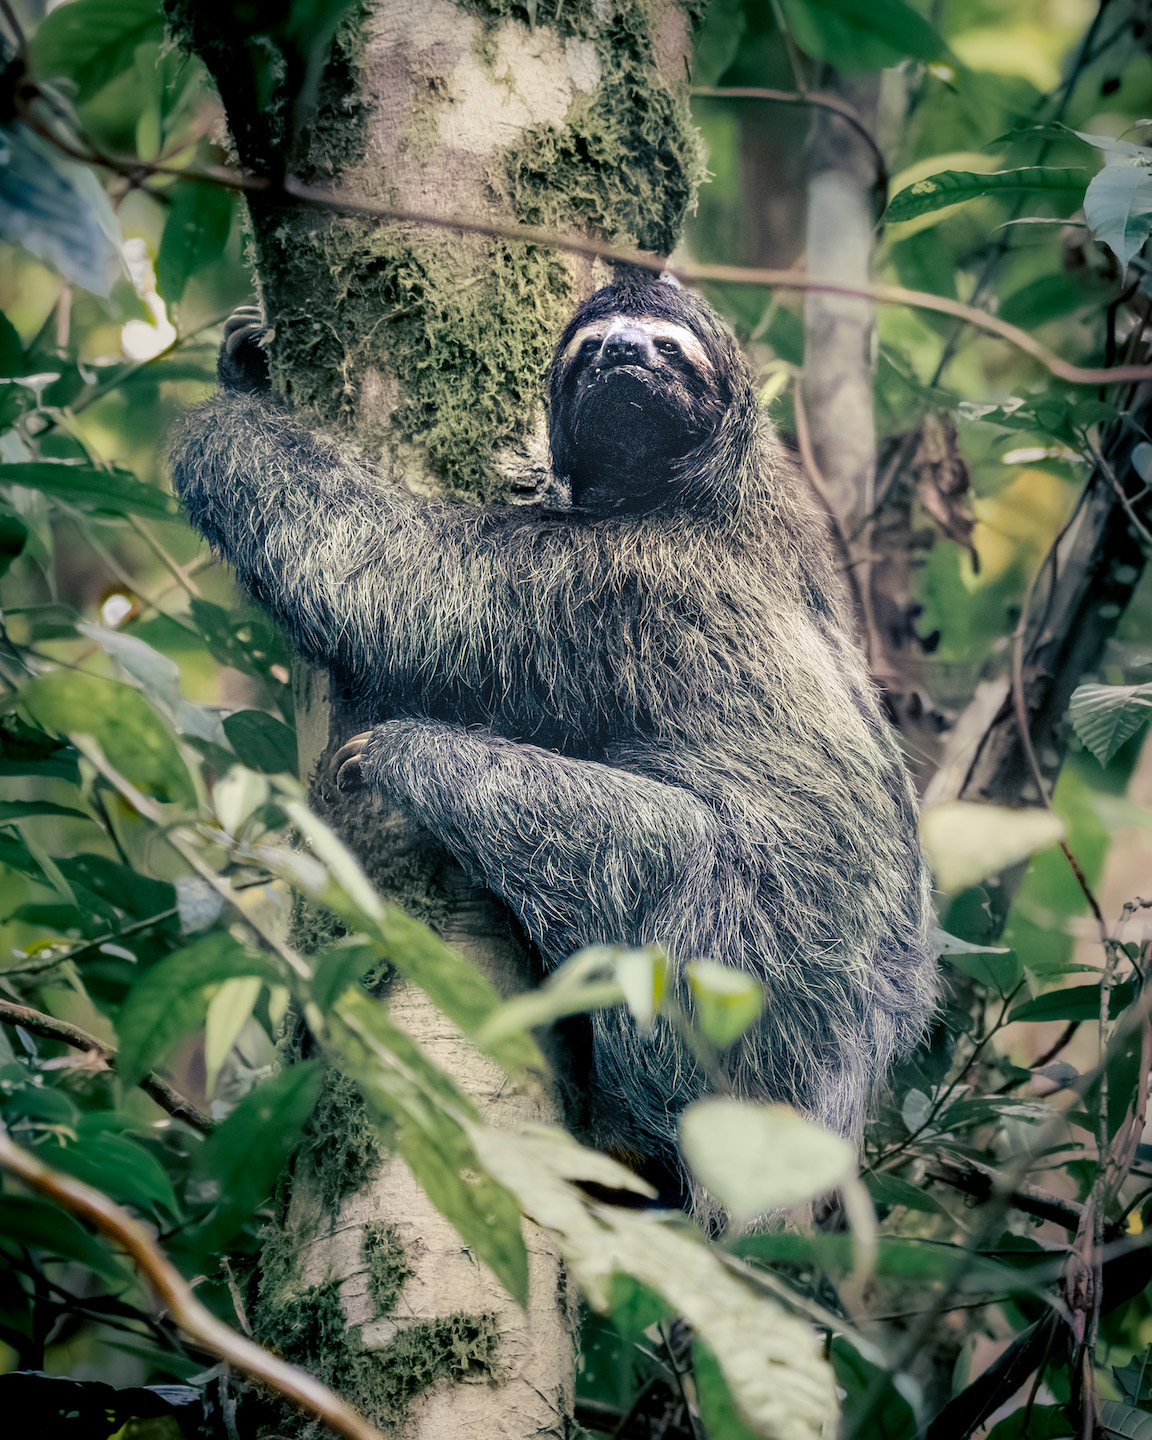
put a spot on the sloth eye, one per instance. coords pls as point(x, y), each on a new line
point(589, 346)
point(667, 347)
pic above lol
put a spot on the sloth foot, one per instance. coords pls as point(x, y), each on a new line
point(243, 360)
point(348, 762)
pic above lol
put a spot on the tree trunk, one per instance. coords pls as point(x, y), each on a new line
point(429, 350)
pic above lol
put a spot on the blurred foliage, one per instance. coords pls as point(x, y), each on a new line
point(146, 738)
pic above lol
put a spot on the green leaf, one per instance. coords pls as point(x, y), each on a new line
point(965, 842)
point(57, 210)
point(229, 1010)
point(113, 491)
point(1124, 1422)
point(262, 742)
point(13, 537)
point(132, 736)
point(169, 1000)
point(861, 34)
point(40, 1226)
point(195, 234)
point(336, 969)
point(246, 1153)
point(138, 895)
point(116, 1165)
point(1135, 1378)
point(727, 1000)
point(1045, 1422)
point(635, 1307)
point(717, 40)
point(12, 810)
point(1118, 207)
point(755, 1158)
point(92, 41)
point(950, 187)
point(892, 1418)
point(999, 971)
point(1078, 1002)
point(1104, 716)
point(891, 1190)
point(422, 1103)
point(718, 1410)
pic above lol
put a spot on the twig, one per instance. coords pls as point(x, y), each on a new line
point(816, 98)
point(50, 1028)
point(173, 1291)
point(335, 202)
point(1025, 1198)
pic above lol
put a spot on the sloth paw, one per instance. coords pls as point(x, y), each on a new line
point(243, 360)
point(348, 762)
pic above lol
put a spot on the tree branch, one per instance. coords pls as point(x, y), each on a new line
point(50, 1028)
point(173, 1291)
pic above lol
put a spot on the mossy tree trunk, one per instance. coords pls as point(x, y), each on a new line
point(429, 349)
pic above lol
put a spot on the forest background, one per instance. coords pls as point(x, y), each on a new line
point(991, 1275)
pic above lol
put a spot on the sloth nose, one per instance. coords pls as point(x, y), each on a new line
point(627, 346)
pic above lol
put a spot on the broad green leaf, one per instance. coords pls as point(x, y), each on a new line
point(262, 742)
point(1044, 1422)
point(635, 1308)
point(718, 1410)
point(917, 1261)
point(13, 537)
point(118, 1166)
point(1118, 207)
point(195, 234)
point(771, 1362)
point(237, 795)
point(861, 34)
point(131, 734)
point(246, 1153)
point(755, 1158)
point(426, 1111)
point(40, 1226)
point(228, 1012)
point(950, 187)
point(999, 970)
point(57, 210)
point(1077, 1002)
point(717, 40)
point(1135, 1378)
point(450, 981)
point(92, 41)
point(12, 810)
point(727, 1000)
point(892, 1190)
point(1104, 716)
point(336, 969)
point(892, 1418)
point(138, 895)
point(1124, 1422)
point(169, 1000)
point(643, 977)
point(114, 491)
point(966, 843)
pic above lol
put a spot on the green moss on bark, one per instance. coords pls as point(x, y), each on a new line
point(468, 337)
point(628, 161)
point(341, 1147)
point(387, 1263)
point(307, 1325)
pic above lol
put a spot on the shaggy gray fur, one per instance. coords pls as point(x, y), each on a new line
point(650, 727)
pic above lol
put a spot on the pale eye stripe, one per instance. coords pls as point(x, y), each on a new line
point(586, 332)
point(689, 344)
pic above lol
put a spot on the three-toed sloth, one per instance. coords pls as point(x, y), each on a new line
point(634, 712)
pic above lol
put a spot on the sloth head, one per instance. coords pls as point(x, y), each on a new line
point(642, 383)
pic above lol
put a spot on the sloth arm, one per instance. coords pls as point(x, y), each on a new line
point(582, 852)
point(358, 571)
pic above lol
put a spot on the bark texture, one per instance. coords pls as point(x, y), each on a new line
point(429, 350)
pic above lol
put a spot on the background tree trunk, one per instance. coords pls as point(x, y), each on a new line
point(429, 349)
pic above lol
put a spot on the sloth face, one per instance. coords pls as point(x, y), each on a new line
point(632, 395)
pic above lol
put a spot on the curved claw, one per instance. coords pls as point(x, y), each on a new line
point(347, 762)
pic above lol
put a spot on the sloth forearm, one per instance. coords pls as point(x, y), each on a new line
point(313, 537)
point(583, 852)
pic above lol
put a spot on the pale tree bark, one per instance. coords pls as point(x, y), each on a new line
point(428, 348)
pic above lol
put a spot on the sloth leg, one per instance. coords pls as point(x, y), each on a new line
point(582, 852)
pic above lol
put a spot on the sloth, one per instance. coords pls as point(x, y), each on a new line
point(634, 711)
